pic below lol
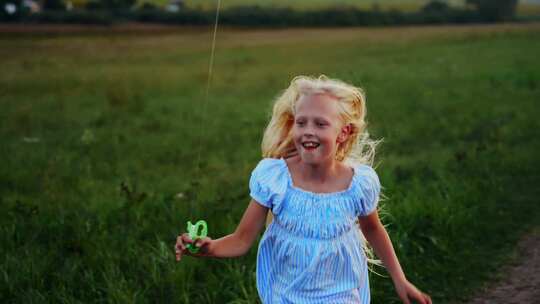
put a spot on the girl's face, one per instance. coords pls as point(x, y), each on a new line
point(317, 129)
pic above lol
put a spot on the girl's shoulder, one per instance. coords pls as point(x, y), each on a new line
point(366, 177)
point(270, 165)
point(268, 182)
point(368, 189)
point(365, 171)
point(271, 173)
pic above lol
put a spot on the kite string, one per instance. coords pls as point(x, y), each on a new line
point(205, 102)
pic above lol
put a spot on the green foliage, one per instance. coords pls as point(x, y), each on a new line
point(258, 16)
point(99, 17)
point(435, 6)
point(186, 17)
point(111, 5)
point(435, 12)
point(100, 137)
point(54, 5)
point(495, 10)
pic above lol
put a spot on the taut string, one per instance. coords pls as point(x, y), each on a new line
point(205, 105)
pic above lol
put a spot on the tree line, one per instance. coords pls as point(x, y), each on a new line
point(113, 11)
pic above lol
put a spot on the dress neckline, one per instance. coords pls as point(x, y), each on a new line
point(317, 194)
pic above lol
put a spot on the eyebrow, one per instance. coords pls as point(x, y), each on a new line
point(316, 118)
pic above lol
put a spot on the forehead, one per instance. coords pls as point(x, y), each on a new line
point(317, 105)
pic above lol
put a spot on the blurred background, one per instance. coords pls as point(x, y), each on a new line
point(109, 144)
point(269, 12)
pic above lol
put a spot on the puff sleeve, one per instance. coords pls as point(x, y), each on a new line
point(267, 183)
point(369, 188)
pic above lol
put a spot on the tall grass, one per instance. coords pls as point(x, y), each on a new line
point(100, 135)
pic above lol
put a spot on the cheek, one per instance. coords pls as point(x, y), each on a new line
point(296, 136)
point(330, 139)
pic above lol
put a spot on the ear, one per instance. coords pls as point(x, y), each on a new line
point(344, 133)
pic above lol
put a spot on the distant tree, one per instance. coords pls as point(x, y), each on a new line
point(435, 6)
point(495, 10)
point(54, 5)
point(148, 6)
point(110, 5)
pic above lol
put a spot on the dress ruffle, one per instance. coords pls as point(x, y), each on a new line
point(268, 184)
point(310, 214)
point(370, 187)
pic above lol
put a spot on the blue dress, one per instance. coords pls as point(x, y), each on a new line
point(312, 250)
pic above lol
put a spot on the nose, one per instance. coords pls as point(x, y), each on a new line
point(309, 131)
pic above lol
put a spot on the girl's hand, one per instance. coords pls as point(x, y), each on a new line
point(407, 292)
point(180, 247)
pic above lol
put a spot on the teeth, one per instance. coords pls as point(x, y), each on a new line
point(310, 145)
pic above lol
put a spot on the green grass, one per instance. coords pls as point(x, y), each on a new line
point(100, 133)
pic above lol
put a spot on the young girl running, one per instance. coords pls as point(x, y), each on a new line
point(317, 180)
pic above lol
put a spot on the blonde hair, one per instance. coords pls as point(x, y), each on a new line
point(357, 149)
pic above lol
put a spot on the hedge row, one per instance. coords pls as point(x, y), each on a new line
point(254, 16)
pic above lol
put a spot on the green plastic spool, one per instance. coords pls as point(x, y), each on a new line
point(194, 234)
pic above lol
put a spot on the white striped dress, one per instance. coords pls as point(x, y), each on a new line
point(312, 250)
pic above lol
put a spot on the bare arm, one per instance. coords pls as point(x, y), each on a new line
point(239, 242)
point(377, 236)
point(233, 245)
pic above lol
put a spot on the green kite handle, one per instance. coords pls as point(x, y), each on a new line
point(195, 234)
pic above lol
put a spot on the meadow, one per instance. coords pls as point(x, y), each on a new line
point(109, 147)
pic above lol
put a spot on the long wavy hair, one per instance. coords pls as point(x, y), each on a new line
point(358, 149)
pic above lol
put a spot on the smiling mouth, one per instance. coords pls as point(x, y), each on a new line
point(310, 145)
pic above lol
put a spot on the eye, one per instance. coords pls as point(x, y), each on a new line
point(300, 122)
point(321, 124)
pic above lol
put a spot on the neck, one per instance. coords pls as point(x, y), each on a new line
point(319, 172)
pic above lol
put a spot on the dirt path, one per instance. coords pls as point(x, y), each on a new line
point(520, 280)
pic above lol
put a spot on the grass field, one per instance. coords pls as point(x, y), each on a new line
point(100, 135)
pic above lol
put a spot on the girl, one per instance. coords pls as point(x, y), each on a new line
point(316, 181)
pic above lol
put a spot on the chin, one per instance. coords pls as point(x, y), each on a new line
point(307, 157)
point(311, 158)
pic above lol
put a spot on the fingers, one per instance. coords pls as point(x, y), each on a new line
point(404, 297)
point(427, 299)
point(407, 292)
point(420, 297)
point(185, 238)
point(203, 244)
point(180, 247)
